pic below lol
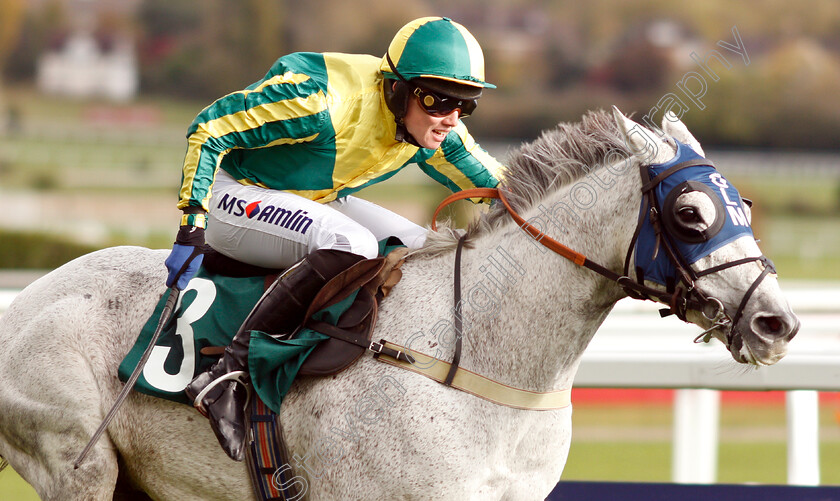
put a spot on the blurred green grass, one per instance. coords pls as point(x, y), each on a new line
point(14, 488)
point(738, 463)
point(797, 221)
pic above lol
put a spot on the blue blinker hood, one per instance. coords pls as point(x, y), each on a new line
point(730, 224)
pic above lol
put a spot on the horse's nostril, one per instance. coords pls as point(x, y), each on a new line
point(793, 329)
point(774, 326)
point(770, 325)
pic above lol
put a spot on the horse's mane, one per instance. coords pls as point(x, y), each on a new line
point(558, 157)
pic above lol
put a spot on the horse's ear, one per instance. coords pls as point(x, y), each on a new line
point(673, 126)
point(638, 139)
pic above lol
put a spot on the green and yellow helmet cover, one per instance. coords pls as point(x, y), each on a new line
point(436, 47)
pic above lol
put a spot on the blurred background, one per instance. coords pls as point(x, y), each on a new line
point(96, 97)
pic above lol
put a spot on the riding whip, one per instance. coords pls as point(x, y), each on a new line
point(165, 315)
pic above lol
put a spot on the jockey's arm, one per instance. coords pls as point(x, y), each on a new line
point(284, 107)
point(261, 115)
point(460, 163)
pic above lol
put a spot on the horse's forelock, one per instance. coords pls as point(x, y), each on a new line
point(557, 158)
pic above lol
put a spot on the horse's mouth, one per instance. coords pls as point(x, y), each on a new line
point(736, 348)
point(744, 353)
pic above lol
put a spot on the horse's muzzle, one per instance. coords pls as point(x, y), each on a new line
point(764, 337)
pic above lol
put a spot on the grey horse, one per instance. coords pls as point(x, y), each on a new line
point(375, 431)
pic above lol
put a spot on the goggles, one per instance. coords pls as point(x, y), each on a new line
point(438, 105)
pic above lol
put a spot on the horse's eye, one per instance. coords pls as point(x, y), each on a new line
point(688, 215)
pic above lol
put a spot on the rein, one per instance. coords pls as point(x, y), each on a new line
point(679, 297)
point(633, 289)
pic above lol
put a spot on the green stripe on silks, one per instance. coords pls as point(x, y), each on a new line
point(274, 363)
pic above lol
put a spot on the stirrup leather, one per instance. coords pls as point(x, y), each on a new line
point(240, 377)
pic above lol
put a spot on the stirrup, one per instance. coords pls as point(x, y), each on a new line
point(240, 377)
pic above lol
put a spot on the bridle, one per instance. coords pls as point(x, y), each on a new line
point(680, 296)
point(684, 296)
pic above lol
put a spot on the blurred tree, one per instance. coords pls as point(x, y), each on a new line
point(10, 27)
point(564, 57)
point(41, 29)
point(786, 98)
point(264, 34)
point(166, 30)
point(638, 65)
point(205, 49)
point(11, 22)
point(537, 51)
point(356, 27)
point(804, 80)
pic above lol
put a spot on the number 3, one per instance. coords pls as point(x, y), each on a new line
point(154, 371)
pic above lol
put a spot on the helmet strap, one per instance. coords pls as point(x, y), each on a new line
point(401, 94)
point(394, 68)
point(403, 135)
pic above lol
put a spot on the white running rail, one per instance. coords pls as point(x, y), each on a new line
point(636, 349)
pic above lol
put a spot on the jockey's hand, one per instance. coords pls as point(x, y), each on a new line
point(185, 257)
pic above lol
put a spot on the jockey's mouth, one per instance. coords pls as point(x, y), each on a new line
point(440, 134)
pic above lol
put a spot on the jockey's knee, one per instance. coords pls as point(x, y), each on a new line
point(360, 241)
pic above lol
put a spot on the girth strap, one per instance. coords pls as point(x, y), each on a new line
point(269, 463)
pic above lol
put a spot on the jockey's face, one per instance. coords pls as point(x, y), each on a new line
point(428, 130)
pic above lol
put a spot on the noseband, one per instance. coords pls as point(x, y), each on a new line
point(680, 297)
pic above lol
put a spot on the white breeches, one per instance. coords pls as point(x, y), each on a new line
point(275, 229)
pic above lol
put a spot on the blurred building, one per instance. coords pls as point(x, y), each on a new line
point(84, 66)
point(92, 59)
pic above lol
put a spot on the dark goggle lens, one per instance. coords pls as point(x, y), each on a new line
point(439, 105)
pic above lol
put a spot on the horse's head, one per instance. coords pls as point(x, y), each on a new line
point(694, 244)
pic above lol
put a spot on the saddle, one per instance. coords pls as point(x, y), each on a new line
point(371, 280)
point(368, 281)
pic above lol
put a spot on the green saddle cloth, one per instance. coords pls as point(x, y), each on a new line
point(208, 313)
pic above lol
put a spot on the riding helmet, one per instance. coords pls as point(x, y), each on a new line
point(438, 51)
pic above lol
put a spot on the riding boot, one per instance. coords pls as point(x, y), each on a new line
point(279, 312)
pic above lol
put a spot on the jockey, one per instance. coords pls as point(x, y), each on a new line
point(282, 158)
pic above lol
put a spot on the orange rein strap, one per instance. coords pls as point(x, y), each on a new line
point(576, 257)
point(629, 286)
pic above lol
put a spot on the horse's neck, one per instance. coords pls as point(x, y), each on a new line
point(528, 312)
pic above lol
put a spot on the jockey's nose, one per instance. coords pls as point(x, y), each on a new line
point(452, 118)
